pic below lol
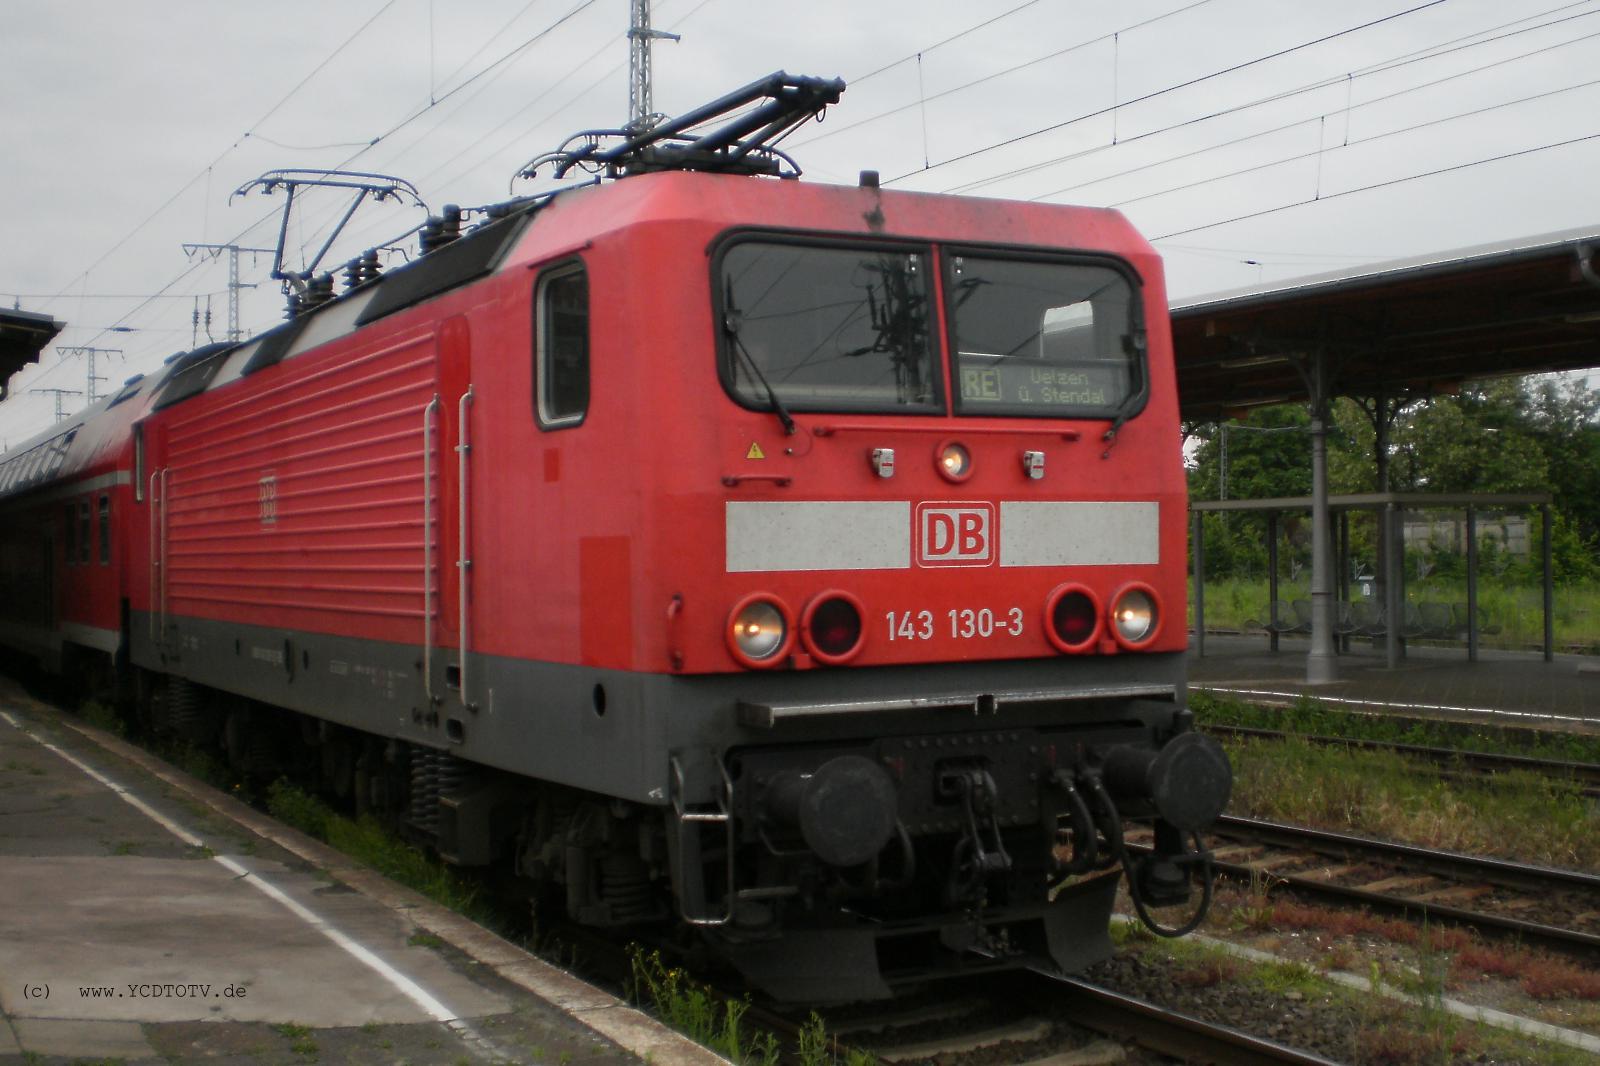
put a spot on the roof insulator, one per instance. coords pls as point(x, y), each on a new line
point(442, 229)
point(319, 290)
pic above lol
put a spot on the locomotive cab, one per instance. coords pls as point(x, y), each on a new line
point(935, 442)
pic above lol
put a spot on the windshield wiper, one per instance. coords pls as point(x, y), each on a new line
point(1135, 344)
point(730, 323)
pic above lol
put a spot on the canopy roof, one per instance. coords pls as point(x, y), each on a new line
point(23, 335)
point(1407, 327)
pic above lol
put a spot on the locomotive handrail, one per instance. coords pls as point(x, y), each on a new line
point(165, 568)
point(463, 560)
point(734, 480)
point(427, 546)
point(155, 563)
point(724, 815)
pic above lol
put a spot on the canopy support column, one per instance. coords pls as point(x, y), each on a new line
point(1472, 584)
point(1549, 586)
point(1394, 560)
point(1321, 662)
point(1199, 585)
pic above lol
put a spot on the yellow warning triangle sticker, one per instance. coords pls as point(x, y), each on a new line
point(755, 451)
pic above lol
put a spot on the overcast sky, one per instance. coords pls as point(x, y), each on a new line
point(1252, 140)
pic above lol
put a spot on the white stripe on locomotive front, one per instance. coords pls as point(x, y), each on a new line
point(818, 535)
point(1080, 533)
point(774, 537)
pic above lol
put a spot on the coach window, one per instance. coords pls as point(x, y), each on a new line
point(70, 538)
point(561, 346)
point(105, 530)
point(83, 532)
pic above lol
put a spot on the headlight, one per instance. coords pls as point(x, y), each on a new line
point(953, 460)
point(758, 630)
point(831, 627)
point(1135, 616)
point(1072, 618)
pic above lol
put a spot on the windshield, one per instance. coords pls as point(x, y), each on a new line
point(828, 329)
point(1042, 338)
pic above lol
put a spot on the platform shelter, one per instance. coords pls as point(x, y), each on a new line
point(23, 335)
point(1387, 334)
point(1396, 620)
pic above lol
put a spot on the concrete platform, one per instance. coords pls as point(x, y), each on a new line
point(151, 918)
point(1504, 687)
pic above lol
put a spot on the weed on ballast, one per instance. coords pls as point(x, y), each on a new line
point(717, 1022)
point(370, 843)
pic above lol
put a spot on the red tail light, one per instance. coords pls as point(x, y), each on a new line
point(1072, 618)
point(831, 627)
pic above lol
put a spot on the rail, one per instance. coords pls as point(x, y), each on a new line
point(1587, 775)
point(1540, 881)
point(1170, 1032)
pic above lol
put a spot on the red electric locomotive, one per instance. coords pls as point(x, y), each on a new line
point(802, 562)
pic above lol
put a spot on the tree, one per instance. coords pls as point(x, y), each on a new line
point(1268, 454)
point(1508, 435)
point(1564, 417)
point(1482, 440)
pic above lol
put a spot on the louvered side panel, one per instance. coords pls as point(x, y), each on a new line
point(301, 505)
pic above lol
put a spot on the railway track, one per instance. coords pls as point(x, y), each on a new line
point(1041, 1019)
point(1494, 896)
point(1585, 775)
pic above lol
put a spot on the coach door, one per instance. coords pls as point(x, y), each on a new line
point(453, 521)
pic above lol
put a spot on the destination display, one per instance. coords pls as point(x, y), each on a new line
point(1029, 383)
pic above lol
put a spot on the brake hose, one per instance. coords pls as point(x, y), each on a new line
point(1113, 831)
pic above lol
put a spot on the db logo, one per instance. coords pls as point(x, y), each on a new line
point(951, 534)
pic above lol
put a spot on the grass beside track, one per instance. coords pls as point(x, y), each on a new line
point(1516, 815)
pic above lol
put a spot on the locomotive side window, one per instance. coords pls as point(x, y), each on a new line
point(70, 520)
point(1051, 339)
point(826, 328)
point(561, 341)
point(83, 532)
point(105, 530)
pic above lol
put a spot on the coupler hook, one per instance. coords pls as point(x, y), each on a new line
point(972, 861)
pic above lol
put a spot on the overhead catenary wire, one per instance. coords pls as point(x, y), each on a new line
point(1386, 98)
point(1384, 184)
point(845, 128)
point(1386, 66)
point(1320, 151)
point(205, 171)
point(500, 64)
point(1176, 87)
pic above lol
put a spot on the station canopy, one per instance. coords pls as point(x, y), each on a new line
point(1387, 333)
point(23, 335)
point(1401, 329)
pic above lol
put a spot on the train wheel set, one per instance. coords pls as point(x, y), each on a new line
point(800, 564)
